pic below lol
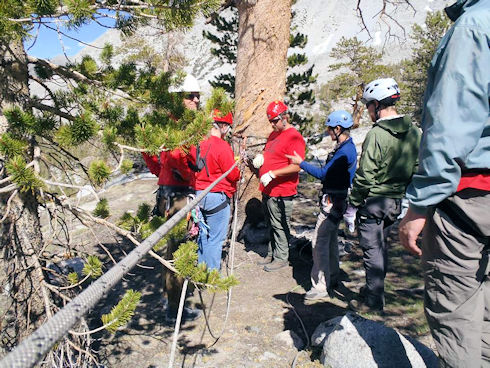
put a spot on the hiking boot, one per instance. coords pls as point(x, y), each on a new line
point(188, 315)
point(313, 294)
point(342, 251)
point(363, 291)
point(265, 261)
point(275, 265)
point(360, 306)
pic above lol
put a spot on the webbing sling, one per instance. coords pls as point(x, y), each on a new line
point(216, 209)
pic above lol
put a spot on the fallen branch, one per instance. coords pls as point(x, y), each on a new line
point(49, 182)
point(7, 210)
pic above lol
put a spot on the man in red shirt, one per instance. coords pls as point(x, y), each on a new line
point(215, 207)
point(278, 182)
point(176, 182)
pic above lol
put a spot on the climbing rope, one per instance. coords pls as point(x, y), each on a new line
point(308, 343)
point(231, 268)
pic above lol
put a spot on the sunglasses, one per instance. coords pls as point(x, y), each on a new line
point(192, 96)
point(274, 121)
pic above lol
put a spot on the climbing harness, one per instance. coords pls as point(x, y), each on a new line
point(231, 269)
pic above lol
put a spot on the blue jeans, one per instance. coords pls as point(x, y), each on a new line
point(210, 241)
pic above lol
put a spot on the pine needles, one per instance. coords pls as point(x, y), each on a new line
point(122, 312)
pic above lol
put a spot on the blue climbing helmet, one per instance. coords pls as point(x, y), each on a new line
point(339, 118)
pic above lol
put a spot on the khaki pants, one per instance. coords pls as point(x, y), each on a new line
point(172, 284)
point(457, 288)
point(278, 212)
point(325, 245)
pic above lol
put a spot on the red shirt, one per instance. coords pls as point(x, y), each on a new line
point(172, 169)
point(475, 181)
point(219, 158)
point(277, 146)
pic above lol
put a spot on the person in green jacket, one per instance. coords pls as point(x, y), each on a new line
point(388, 161)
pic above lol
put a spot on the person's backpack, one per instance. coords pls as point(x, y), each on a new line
point(200, 161)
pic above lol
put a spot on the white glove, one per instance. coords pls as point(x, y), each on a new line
point(258, 161)
point(267, 178)
point(350, 217)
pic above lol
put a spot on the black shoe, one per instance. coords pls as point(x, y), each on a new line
point(188, 315)
point(363, 291)
point(360, 306)
point(265, 261)
point(275, 265)
point(334, 285)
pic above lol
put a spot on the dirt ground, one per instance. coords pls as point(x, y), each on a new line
point(262, 306)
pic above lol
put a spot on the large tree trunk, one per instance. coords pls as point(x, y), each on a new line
point(263, 41)
point(21, 237)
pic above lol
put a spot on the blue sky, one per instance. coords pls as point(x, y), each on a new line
point(48, 44)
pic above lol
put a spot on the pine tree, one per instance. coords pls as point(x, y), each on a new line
point(226, 38)
point(299, 93)
point(414, 75)
point(358, 64)
point(299, 83)
point(116, 108)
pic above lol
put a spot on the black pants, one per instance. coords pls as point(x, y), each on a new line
point(373, 218)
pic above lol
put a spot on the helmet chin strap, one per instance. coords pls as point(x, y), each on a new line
point(377, 110)
point(337, 136)
point(223, 133)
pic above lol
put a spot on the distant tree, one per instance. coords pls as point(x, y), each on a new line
point(225, 38)
point(358, 64)
point(299, 91)
point(165, 57)
point(414, 70)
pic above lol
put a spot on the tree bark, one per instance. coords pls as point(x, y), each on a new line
point(263, 41)
point(358, 107)
point(21, 237)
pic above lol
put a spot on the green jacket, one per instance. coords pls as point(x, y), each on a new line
point(388, 160)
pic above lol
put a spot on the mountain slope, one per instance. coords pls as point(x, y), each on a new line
point(324, 22)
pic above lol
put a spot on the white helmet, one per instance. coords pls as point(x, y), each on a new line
point(384, 90)
point(189, 84)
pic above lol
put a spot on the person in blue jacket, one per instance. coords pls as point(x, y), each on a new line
point(336, 176)
point(450, 194)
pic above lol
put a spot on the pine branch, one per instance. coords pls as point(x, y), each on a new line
point(57, 292)
point(122, 312)
point(72, 286)
point(94, 330)
point(129, 6)
point(127, 234)
point(77, 76)
point(51, 109)
point(65, 185)
point(42, 84)
point(70, 37)
point(8, 188)
point(7, 210)
point(69, 154)
point(80, 350)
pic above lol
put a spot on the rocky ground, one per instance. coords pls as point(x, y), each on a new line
point(266, 309)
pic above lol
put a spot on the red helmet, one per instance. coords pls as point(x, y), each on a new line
point(275, 109)
point(228, 118)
